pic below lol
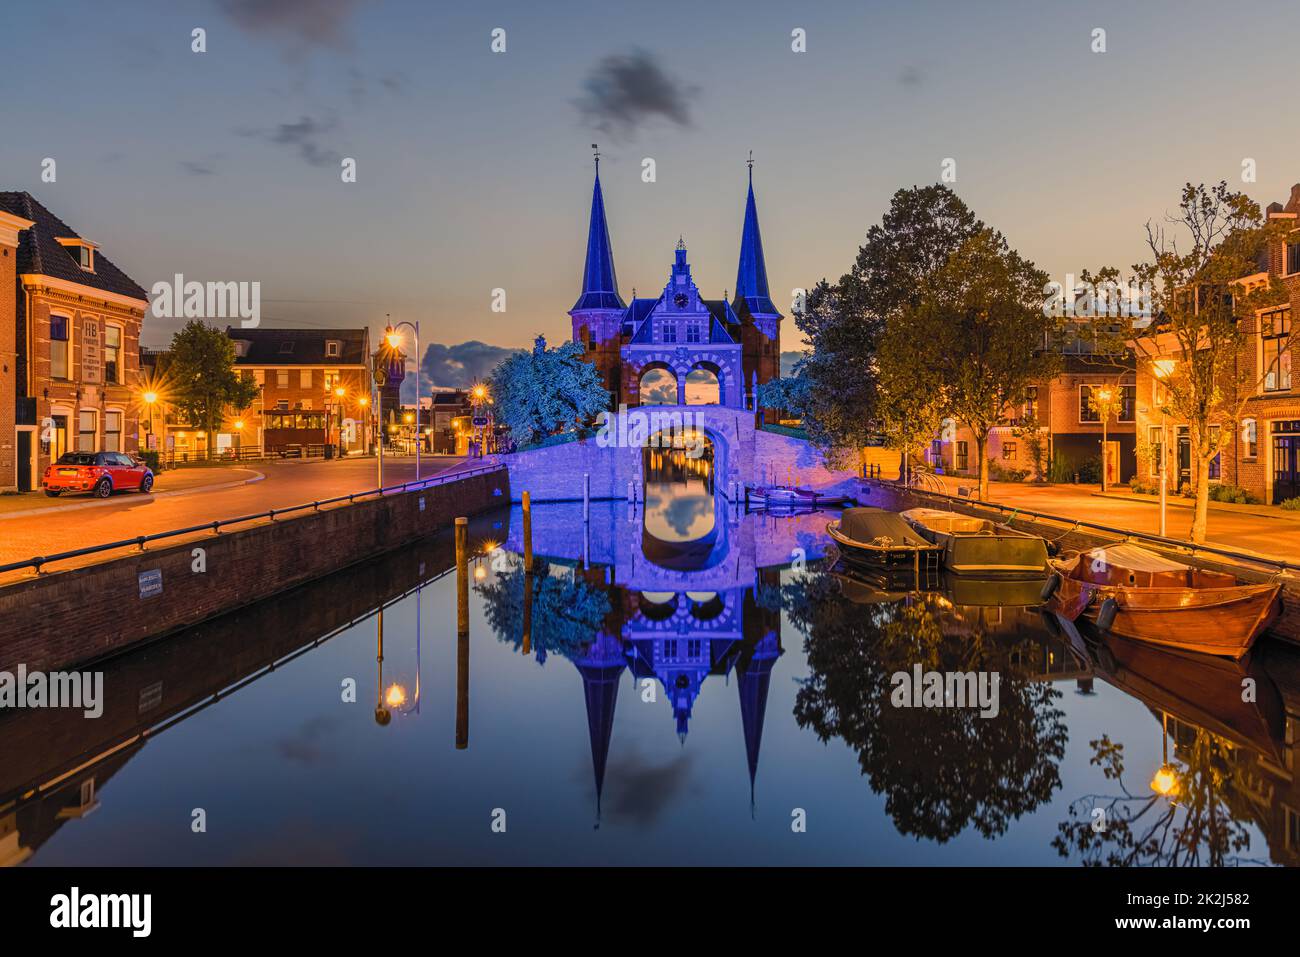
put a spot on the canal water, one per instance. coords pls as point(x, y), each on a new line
point(614, 707)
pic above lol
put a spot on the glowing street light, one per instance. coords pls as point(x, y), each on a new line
point(394, 339)
point(1163, 369)
point(1165, 782)
point(1103, 395)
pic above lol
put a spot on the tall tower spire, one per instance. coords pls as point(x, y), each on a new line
point(751, 274)
point(599, 283)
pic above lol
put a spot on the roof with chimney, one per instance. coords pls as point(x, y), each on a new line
point(41, 253)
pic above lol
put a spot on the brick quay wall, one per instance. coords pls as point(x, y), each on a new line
point(63, 618)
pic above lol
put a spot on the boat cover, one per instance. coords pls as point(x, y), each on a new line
point(871, 525)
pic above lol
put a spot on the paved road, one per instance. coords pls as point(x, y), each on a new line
point(1274, 536)
point(130, 514)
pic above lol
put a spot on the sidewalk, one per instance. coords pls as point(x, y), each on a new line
point(173, 482)
point(1179, 501)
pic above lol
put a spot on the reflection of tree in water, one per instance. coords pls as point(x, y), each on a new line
point(941, 769)
point(567, 612)
point(1205, 821)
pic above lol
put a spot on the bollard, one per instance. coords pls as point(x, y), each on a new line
point(528, 533)
point(462, 692)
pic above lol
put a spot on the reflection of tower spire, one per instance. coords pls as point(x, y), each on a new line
point(754, 675)
point(601, 668)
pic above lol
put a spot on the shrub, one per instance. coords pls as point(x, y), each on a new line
point(1002, 473)
point(1224, 492)
point(1140, 487)
point(151, 458)
point(1291, 504)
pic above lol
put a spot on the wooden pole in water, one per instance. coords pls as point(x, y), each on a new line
point(462, 634)
point(528, 533)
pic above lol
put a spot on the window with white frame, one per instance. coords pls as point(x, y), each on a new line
point(59, 347)
point(112, 354)
point(113, 431)
point(1250, 438)
point(87, 427)
point(304, 378)
point(333, 348)
point(282, 378)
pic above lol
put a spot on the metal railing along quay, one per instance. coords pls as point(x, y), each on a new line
point(1013, 512)
point(140, 541)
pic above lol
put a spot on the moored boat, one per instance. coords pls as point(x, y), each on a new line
point(978, 547)
point(789, 497)
point(1132, 591)
point(880, 539)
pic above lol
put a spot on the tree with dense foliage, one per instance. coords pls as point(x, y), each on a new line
point(788, 394)
point(844, 322)
point(546, 391)
point(978, 335)
point(202, 378)
point(1200, 258)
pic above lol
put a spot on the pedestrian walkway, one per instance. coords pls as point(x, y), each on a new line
point(184, 481)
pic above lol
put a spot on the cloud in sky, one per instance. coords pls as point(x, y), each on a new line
point(304, 137)
point(623, 92)
point(455, 366)
point(299, 24)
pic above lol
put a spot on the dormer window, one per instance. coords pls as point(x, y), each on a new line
point(82, 252)
point(333, 348)
point(286, 347)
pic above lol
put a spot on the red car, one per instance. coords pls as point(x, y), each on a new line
point(100, 473)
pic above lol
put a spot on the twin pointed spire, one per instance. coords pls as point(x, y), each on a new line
point(600, 283)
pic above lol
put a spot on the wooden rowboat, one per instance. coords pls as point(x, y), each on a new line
point(880, 540)
point(978, 547)
point(787, 497)
point(1140, 594)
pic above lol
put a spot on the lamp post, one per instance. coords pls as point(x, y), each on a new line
point(1163, 368)
point(150, 400)
point(1103, 395)
point(393, 339)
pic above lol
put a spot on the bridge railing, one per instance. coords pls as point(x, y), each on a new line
point(140, 541)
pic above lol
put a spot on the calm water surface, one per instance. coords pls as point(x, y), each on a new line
point(628, 704)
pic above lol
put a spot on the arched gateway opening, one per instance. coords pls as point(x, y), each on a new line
point(704, 385)
point(658, 386)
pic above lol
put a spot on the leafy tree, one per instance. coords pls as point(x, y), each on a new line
point(540, 393)
point(911, 396)
point(1199, 259)
point(844, 322)
point(978, 333)
point(566, 614)
point(202, 376)
point(788, 394)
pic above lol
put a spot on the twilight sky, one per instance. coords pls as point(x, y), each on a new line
point(474, 167)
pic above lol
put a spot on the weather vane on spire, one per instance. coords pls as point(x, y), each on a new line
point(595, 152)
point(681, 242)
point(750, 164)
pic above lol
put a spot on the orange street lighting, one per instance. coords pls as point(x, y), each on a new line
point(392, 337)
point(239, 424)
point(364, 401)
point(339, 391)
point(150, 397)
point(395, 696)
point(480, 392)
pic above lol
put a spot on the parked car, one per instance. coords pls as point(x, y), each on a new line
point(100, 473)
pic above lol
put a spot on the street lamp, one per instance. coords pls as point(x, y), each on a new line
point(1163, 369)
point(1103, 395)
point(393, 339)
point(151, 399)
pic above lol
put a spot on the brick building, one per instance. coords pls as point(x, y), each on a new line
point(315, 389)
point(69, 344)
point(1069, 427)
point(1261, 452)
